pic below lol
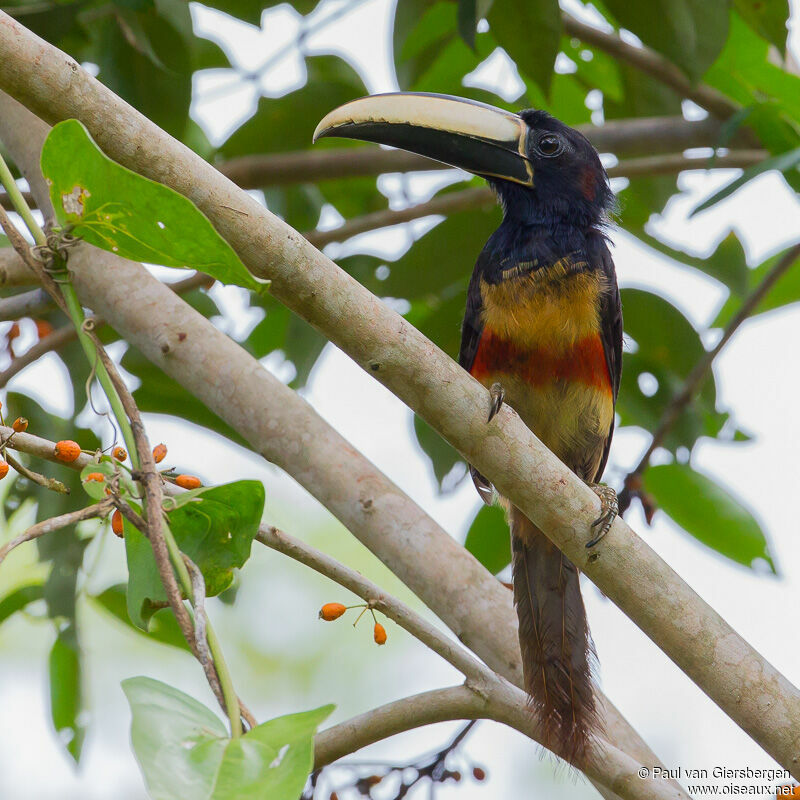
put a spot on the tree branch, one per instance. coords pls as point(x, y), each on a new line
point(653, 64)
point(695, 379)
point(625, 568)
point(55, 524)
point(5, 201)
point(641, 136)
point(24, 304)
point(477, 197)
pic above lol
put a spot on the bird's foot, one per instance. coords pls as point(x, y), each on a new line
point(609, 509)
point(497, 394)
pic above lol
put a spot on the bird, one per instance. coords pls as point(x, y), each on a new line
point(542, 331)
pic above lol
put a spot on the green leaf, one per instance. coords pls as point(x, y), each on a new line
point(785, 162)
point(65, 690)
point(117, 210)
point(530, 32)
point(709, 513)
point(690, 33)
point(488, 539)
point(215, 528)
point(767, 18)
point(20, 598)
point(185, 753)
point(667, 347)
point(727, 263)
point(467, 21)
point(785, 291)
point(287, 123)
point(443, 456)
point(159, 394)
point(442, 257)
point(163, 626)
point(138, 51)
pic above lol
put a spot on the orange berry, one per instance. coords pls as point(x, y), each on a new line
point(96, 476)
point(20, 424)
point(43, 328)
point(379, 634)
point(116, 523)
point(159, 453)
point(67, 451)
point(120, 453)
point(331, 611)
point(188, 482)
point(3, 469)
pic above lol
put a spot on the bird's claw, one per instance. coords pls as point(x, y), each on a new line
point(609, 510)
point(497, 394)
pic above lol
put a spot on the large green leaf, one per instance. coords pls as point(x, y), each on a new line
point(443, 456)
point(215, 527)
point(727, 263)
point(145, 55)
point(691, 33)
point(20, 598)
point(117, 210)
point(160, 394)
point(488, 539)
point(530, 32)
point(709, 513)
point(785, 291)
point(288, 123)
point(65, 690)
point(767, 18)
point(444, 256)
point(666, 348)
point(185, 752)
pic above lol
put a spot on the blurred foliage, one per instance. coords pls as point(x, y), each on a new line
point(149, 53)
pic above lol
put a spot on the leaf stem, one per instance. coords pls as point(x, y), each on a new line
point(19, 204)
point(74, 310)
point(225, 679)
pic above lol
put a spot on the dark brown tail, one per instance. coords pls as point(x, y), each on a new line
point(557, 651)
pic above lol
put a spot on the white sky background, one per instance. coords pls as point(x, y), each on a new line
point(758, 379)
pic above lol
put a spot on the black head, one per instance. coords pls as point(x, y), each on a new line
point(540, 168)
point(569, 182)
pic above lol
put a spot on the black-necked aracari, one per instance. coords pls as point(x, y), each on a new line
point(543, 332)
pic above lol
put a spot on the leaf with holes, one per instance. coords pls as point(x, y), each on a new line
point(708, 512)
point(115, 209)
point(185, 752)
point(215, 527)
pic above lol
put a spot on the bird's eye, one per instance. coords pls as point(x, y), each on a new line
point(550, 145)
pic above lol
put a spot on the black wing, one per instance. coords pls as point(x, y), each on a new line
point(611, 334)
point(471, 331)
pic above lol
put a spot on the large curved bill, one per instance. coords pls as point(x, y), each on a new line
point(463, 133)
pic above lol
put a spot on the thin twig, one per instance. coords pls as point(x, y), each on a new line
point(681, 399)
point(24, 304)
point(5, 200)
point(56, 523)
point(648, 136)
point(49, 483)
point(53, 341)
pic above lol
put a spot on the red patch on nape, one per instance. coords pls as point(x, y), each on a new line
point(584, 362)
point(589, 184)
